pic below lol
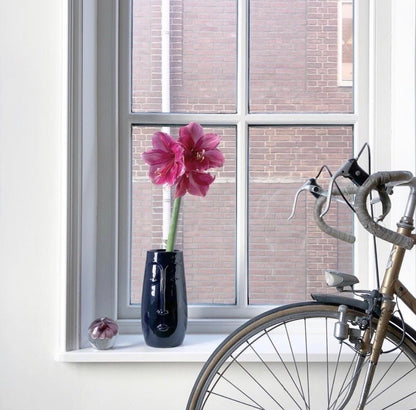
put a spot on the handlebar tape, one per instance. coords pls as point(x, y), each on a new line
point(375, 181)
point(323, 226)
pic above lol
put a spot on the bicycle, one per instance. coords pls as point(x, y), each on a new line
point(350, 349)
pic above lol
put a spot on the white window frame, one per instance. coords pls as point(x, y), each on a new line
point(92, 284)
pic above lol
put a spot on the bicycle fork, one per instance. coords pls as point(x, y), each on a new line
point(387, 308)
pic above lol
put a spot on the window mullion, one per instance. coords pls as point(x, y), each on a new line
point(242, 154)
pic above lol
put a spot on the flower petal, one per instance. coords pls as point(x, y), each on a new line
point(190, 134)
point(199, 183)
point(182, 186)
point(195, 182)
point(156, 157)
point(209, 141)
point(214, 158)
point(162, 141)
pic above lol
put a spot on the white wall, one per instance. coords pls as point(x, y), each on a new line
point(32, 205)
point(32, 235)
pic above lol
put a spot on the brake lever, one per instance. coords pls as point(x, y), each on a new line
point(377, 199)
point(351, 170)
point(310, 185)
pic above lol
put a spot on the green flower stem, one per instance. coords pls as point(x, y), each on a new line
point(170, 245)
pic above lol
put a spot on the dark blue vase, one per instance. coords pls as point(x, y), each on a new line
point(164, 305)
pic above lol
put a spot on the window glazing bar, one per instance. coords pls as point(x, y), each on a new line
point(242, 171)
point(249, 119)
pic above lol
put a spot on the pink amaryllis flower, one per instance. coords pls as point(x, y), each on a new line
point(184, 162)
point(200, 150)
point(166, 159)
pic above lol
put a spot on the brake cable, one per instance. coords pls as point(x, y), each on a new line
point(336, 184)
point(372, 213)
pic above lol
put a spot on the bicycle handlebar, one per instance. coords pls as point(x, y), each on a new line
point(381, 182)
point(375, 181)
point(323, 226)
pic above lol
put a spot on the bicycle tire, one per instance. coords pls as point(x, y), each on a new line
point(266, 365)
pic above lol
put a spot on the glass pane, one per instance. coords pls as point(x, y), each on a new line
point(206, 231)
point(287, 259)
point(184, 56)
point(297, 52)
point(346, 31)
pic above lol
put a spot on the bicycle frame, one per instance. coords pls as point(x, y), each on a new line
point(391, 287)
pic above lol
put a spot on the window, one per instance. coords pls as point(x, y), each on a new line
point(263, 77)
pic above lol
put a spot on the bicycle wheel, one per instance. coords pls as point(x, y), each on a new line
point(288, 358)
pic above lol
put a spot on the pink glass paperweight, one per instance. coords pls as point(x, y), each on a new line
point(102, 333)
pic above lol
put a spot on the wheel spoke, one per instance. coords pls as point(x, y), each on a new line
point(254, 403)
point(327, 362)
point(351, 382)
point(307, 363)
point(391, 384)
point(334, 376)
point(294, 361)
point(283, 362)
point(400, 400)
point(383, 377)
point(255, 381)
point(274, 375)
point(236, 401)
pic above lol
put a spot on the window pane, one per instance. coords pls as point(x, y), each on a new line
point(345, 66)
point(294, 51)
point(184, 56)
point(287, 259)
point(206, 231)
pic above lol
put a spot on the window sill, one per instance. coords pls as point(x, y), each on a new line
point(197, 348)
point(132, 348)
